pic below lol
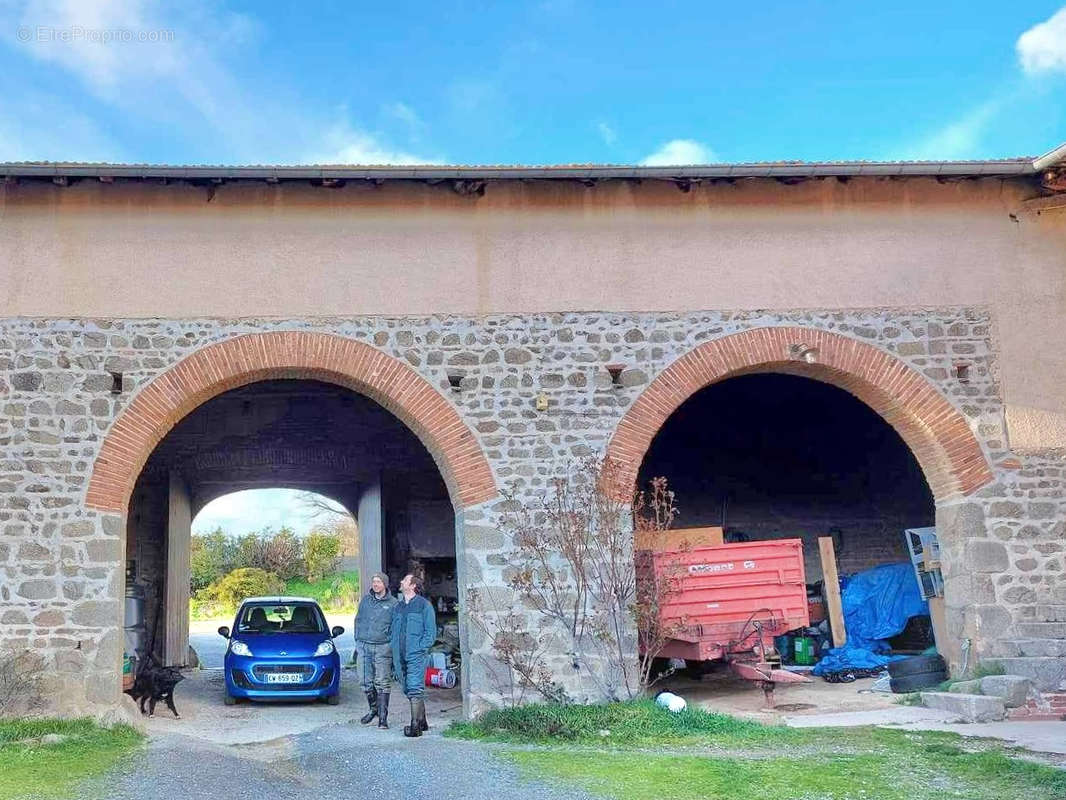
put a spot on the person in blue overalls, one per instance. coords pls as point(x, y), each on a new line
point(414, 629)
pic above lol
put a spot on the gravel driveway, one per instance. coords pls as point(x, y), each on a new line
point(340, 761)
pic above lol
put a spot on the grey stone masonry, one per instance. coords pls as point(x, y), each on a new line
point(1012, 689)
point(61, 576)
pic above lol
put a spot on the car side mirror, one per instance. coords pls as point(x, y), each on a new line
point(337, 631)
point(223, 632)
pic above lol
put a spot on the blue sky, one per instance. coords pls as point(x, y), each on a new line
point(555, 81)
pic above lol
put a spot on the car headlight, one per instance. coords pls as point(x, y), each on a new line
point(239, 648)
point(324, 649)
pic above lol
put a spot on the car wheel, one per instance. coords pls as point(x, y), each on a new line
point(229, 699)
point(334, 699)
point(916, 666)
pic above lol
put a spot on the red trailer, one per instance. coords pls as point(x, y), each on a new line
point(729, 601)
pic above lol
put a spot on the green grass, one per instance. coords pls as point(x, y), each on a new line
point(326, 592)
point(30, 769)
point(905, 772)
point(637, 723)
point(650, 752)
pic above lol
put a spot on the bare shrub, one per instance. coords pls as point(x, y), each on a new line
point(517, 666)
point(654, 512)
point(283, 554)
point(574, 566)
point(21, 690)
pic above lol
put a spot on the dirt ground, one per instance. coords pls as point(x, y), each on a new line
point(204, 716)
point(721, 690)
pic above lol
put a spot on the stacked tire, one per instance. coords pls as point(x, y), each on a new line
point(919, 672)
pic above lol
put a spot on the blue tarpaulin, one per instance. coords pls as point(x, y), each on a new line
point(877, 604)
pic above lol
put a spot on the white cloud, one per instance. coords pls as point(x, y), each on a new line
point(122, 50)
point(961, 139)
point(178, 81)
point(678, 152)
point(1042, 48)
point(607, 133)
point(343, 144)
point(405, 114)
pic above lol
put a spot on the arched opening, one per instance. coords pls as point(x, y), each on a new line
point(288, 433)
point(366, 372)
point(770, 456)
point(935, 432)
point(293, 433)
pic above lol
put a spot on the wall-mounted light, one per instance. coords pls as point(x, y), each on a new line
point(455, 380)
point(962, 371)
point(615, 371)
point(116, 383)
point(803, 352)
point(542, 402)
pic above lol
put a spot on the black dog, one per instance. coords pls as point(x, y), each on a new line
point(155, 683)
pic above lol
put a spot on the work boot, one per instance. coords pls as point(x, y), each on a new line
point(415, 727)
point(422, 715)
point(383, 710)
point(372, 701)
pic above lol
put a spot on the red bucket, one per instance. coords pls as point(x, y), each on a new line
point(442, 678)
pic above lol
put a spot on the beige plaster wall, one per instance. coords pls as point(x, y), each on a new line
point(147, 250)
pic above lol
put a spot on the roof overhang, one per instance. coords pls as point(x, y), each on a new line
point(430, 173)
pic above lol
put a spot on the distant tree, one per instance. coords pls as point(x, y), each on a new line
point(322, 553)
point(334, 519)
point(251, 550)
point(212, 556)
point(283, 554)
point(344, 530)
point(318, 506)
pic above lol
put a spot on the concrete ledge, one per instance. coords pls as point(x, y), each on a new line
point(968, 707)
point(1012, 689)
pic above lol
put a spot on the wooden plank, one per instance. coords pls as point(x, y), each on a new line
point(832, 589)
point(678, 538)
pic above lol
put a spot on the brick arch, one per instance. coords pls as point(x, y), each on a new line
point(937, 434)
point(254, 357)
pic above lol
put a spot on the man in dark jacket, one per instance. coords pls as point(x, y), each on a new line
point(414, 629)
point(373, 641)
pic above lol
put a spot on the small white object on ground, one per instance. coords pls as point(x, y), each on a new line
point(671, 702)
point(882, 684)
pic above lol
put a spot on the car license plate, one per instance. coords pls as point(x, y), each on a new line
point(284, 677)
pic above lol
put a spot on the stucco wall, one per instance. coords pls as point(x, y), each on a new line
point(152, 250)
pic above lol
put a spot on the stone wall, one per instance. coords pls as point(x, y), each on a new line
point(61, 562)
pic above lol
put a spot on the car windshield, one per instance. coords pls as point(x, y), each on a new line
point(280, 618)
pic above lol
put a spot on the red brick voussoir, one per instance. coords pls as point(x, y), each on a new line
point(254, 357)
point(937, 433)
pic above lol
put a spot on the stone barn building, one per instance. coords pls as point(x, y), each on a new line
point(802, 349)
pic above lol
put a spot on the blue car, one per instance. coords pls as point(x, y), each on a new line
point(281, 648)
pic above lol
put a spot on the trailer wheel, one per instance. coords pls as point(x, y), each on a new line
point(696, 669)
point(921, 680)
point(916, 665)
point(660, 668)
